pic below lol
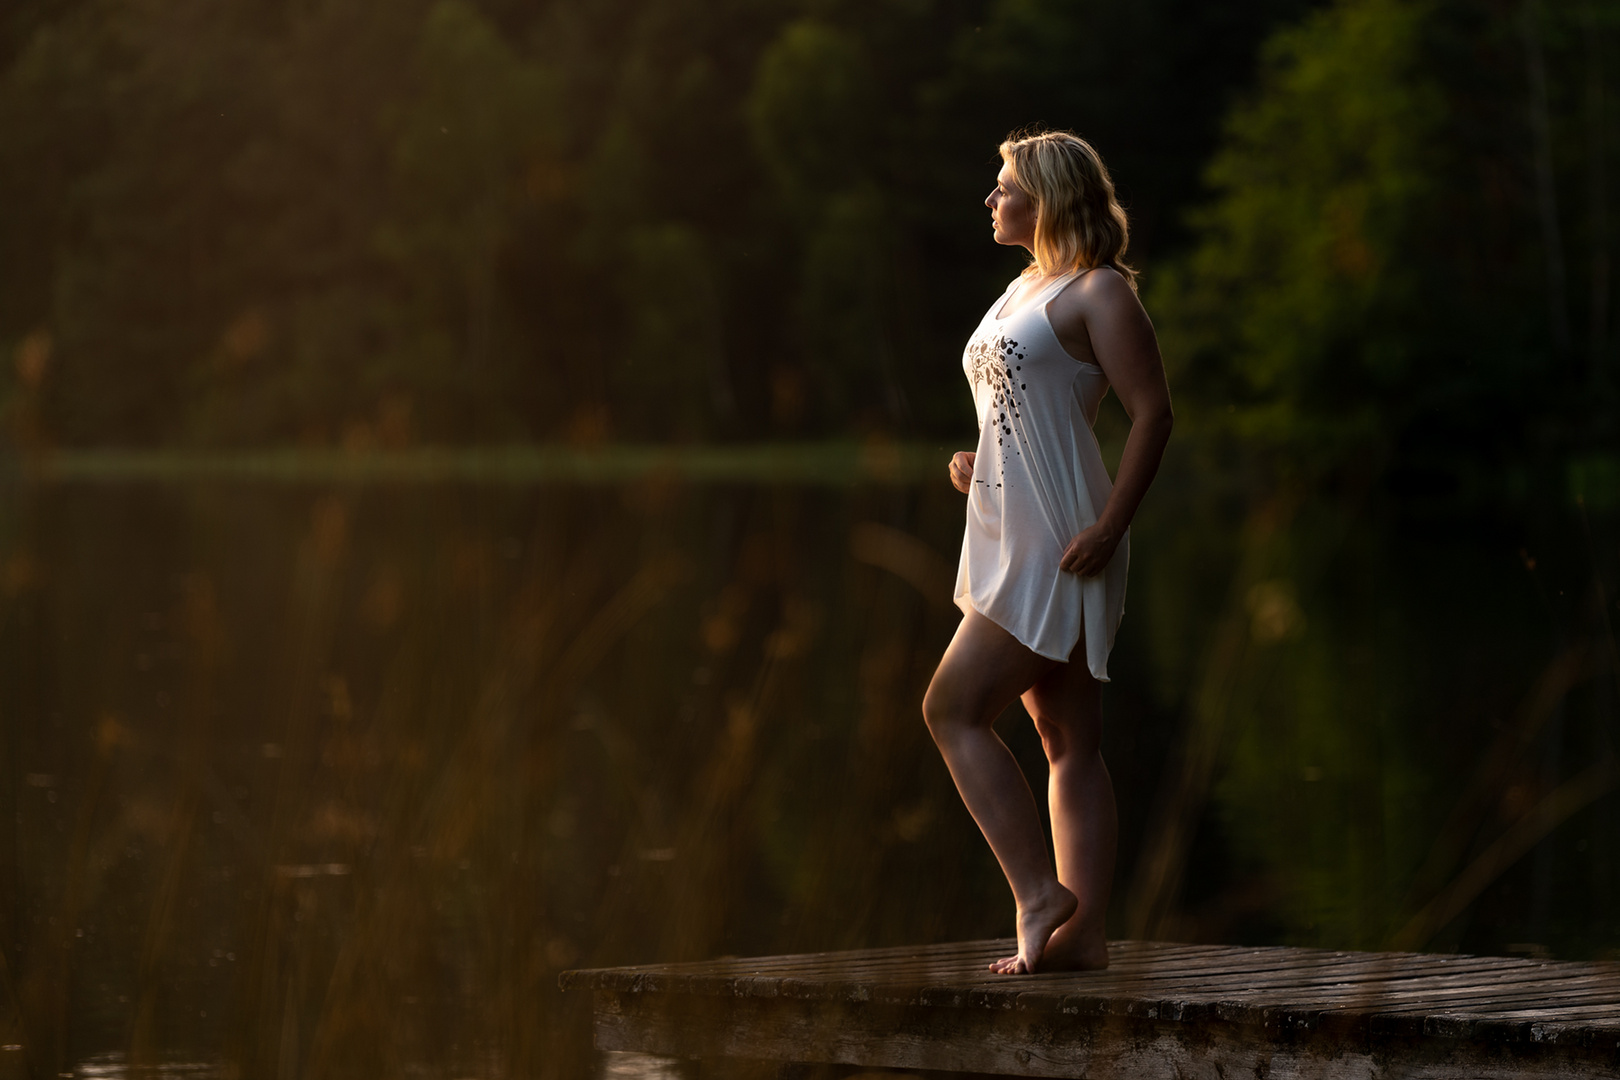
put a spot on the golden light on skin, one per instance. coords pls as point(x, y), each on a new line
point(1012, 211)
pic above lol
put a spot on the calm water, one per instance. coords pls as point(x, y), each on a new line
point(333, 780)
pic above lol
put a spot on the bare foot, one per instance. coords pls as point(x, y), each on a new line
point(1071, 948)
point(1036, 924)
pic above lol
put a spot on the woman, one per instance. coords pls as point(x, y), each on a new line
point(1042, 578)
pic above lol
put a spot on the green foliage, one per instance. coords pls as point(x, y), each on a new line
point(1377, 267)
point(811, 111)
point(1364, 340)
point(480, 119)
point(1325, 783)
point(1295, 307)
point(294, 225)
point(672, 364)
point(476, 221)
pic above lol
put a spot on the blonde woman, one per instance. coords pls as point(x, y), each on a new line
point(1041, 582)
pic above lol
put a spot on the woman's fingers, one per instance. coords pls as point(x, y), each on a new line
point(1086, 556)
point(962, 471)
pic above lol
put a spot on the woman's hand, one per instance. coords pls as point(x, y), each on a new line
point(1090, 551)
point(962, 470)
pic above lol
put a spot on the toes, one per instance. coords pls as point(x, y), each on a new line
point(1011, 965)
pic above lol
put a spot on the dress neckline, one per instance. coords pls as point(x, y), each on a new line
point(1001, 314)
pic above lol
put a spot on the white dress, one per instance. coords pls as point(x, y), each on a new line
point(1038, 480)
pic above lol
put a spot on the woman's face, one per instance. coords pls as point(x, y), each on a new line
point(1012, 212)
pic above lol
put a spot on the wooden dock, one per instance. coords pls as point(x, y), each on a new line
point(1160, 1010)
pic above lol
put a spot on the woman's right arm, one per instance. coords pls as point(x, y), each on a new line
point(962, 470)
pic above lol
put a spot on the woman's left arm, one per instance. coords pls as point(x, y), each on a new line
point(1122, 340)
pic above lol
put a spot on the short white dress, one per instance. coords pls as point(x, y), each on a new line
point(1038, 480)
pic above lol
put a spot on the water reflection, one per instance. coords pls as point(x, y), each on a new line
point(114, 1067)
point(334, 780)
point(617, 1065)
point(317, 780)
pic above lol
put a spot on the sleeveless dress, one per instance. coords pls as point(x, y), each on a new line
point(1038, 480)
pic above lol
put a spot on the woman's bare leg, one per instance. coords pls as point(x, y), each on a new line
point(983, 670)
point(1066, 705)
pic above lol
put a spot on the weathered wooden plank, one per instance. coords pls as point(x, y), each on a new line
point(1330, 986)
point(1123, 954)
point(1500, 1002)
point(1531, 1010)
point(1186, 1011)
point(1480, 972)
point(953, 956)
point(1357, 1014)
point(1364, 995)
point(1307, 974)
point(1417, 995)
point(1231, 974)
point(1026, 1044)
point(1264, 971)
point(1323, 986)
point(1596, 1034)
point(1260, 966)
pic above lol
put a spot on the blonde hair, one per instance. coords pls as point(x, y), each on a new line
point(1079, 223)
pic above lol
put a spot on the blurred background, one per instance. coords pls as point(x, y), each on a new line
point(473, 496)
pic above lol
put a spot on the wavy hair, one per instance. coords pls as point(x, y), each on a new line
point(1079, 223)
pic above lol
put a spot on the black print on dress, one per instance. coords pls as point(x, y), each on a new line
point(996, 364)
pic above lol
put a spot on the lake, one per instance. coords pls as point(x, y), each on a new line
point(326, 770)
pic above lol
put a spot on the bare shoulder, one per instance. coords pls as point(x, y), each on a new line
point(1099, 296)
point(1099, 291)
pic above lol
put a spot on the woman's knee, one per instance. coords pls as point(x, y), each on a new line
point(1067, 739)
point(945, 711)
point(1054, 740)
point(936, 710)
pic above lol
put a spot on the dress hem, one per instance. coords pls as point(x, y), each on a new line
point(965, 602)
